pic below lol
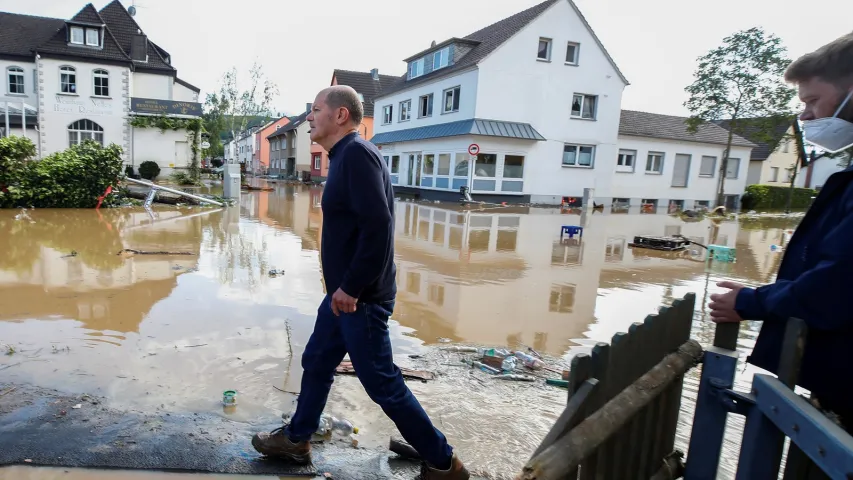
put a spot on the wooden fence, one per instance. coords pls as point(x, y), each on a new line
point(624, 401)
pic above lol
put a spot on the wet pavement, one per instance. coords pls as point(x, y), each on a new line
point(163, 335)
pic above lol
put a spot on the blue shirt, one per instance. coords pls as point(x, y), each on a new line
point(357, 250)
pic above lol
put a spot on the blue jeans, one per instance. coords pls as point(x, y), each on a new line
point(364, 335)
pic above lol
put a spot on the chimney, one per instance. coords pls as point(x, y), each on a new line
point(433, 44)
point(375, 73)
point(308, 106)
point(139, 48)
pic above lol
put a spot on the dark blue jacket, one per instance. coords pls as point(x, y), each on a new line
point(815, 284)
point(357, 249)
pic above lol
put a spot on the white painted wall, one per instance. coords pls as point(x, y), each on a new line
point(467, 81)
point(753, 175)
point(59, 110)
point(149, 85)
point(181, 93)
point(302, 139)
point(638, 184)
point(516, 86)
point(170, 149)
point(822, 169)
point(29, 83)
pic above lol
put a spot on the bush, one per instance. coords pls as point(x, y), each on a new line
point(771, 197)
point(183, 178)
point(15, 153)
point(149, 170)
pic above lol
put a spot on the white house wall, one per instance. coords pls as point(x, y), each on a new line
point(467, 81)
point(29, 83)
point(149, 85)
point(303, 148)
point(170, 149)
point(181, 93)
point(638, 184)
point(822, 169)
point(516, 86)
point(58, 110)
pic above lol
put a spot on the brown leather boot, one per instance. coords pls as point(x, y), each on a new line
point(276, 444)
point(457, 471)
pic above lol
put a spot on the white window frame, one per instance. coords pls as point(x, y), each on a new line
point(441, 59)
point(713, 166)
point(583, 100)
point(737, 172)
point(774, 174)
point(650, 162)
point(72, 85)
point(416, 68)
point(549, 46)
point(578, 146)
point(405, 110)
point(105, 89)
point(82, 33)
point(456, 95)
point(318, 161)
point(97, 33)
point(387, 114)
point(430, 104)
point(576, 59)
point(15, 71)
point(626, 160)
point(84, 126)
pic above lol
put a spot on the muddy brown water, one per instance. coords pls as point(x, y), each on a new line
point(171, 333)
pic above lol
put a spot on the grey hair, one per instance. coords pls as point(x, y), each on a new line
point(343, 96)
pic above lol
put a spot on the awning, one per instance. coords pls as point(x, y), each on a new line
point(474, 126)
point(10, 115)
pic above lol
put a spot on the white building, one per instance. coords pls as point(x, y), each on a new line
point(85, 78)
point(817, 173)
point(538, 99)
point(660, 163)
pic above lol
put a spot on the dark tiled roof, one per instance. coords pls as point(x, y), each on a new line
point(475, 126)
point(364, 84)
point(58, 43)
point(294, 123)
point(124, 27)
point(669, 127)
point(490, 38)
point(765, 133)
point(20, 34)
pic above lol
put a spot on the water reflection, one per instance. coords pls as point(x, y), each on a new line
point(495, 276)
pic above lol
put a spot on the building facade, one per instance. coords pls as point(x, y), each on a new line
point(290, 148)
point(261, 161)
point(526, 109)
point(368, 85)
point(86, 78)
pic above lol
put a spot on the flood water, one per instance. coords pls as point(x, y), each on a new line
point(171, 333)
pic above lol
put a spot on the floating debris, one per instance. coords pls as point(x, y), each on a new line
point(276, 273)
point(346, 368)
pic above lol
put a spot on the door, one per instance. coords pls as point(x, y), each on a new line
point(291, 167)
point(414, 176)
point(681, 170)
point(181, 155)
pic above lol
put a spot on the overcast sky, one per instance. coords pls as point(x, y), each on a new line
point(299, 43)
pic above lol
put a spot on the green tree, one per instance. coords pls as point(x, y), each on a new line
point(232, 107)
point(739, 80)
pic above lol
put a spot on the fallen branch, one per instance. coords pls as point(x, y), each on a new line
point(193, 346)
point(8, 391)
point(141, 252)
point(284, 391)
point(580, 442)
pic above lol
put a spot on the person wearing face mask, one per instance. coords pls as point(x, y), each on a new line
point(815, 279)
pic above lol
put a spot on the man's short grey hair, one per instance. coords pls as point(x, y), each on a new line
point(342, 96)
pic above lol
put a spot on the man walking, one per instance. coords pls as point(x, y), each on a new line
point(814, 280)
point(357, 254)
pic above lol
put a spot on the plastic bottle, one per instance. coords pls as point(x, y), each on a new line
point(464, 350)
point(485, 368)
point(509, 364)
point(530, 361)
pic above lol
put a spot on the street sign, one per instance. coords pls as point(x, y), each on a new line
point(473, 149)
point(205, 145)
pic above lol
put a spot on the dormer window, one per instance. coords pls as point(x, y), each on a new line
point(441, 58)
point(93, 37)
point(88, 36)
point(77, 34)
point(416, 68)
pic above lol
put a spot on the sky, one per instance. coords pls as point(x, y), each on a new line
point(655, 43)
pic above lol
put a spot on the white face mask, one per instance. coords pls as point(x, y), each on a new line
point(831, 133)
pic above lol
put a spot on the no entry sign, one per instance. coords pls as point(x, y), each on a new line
point(473, 149)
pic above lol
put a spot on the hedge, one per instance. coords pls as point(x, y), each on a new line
point(771, 197)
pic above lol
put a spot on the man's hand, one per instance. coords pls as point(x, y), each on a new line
point(341, 302)
point(723, 304)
